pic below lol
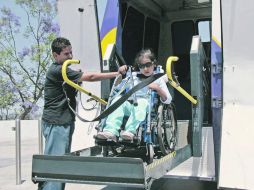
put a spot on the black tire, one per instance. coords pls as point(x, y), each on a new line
point(167, 128)
point(150, 153)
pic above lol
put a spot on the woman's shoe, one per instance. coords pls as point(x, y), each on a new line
point(106, 135)
point(127, 136)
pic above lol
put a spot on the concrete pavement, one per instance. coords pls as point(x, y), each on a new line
point(29, 146)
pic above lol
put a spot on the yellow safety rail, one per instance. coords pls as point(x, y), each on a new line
point(64, 68)
point(173, 83)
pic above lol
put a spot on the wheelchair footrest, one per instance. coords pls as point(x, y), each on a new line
point(105, 142)
point(132, 143)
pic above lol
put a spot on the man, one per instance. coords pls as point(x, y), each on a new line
point(58, 119)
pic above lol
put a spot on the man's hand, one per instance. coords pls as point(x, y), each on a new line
point(122, 70)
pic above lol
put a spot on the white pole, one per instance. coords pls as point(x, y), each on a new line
point(40, 138)
point(18, 152)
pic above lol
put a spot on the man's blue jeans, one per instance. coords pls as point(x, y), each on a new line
point(58, 140)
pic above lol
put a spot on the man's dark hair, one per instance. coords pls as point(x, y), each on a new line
point(59, 44)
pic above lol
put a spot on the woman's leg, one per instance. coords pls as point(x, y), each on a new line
point(115, 119)
point(138, 114)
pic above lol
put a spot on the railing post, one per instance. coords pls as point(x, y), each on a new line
point(197, 58)
point(18, 152)
point(40, 138)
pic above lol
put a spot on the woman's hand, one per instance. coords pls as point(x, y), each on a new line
point(158, 89)
point(154, 86)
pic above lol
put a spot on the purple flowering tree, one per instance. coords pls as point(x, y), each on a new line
point(23, 66)
point(7, 99)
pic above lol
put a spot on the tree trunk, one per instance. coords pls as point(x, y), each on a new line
point(25, 113)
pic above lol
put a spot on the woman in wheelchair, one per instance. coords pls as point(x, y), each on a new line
point(146, 62)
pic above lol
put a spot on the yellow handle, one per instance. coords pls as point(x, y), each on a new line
point(173, 83)
point(64, 68)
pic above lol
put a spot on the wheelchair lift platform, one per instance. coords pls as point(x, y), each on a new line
point(198, 168)
point(88, 166)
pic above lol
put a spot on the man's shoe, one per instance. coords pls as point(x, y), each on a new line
point(106, 135)
point(127, 136)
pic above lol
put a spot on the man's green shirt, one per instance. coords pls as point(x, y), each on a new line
point(56, 109)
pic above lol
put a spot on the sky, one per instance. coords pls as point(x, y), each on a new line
point(101, 5)
point(19, 12)
point(8, 3)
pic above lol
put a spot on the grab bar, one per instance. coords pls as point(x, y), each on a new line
point(74, 85)
point(170, 60)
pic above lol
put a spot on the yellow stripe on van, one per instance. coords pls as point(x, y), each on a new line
point(110, 38)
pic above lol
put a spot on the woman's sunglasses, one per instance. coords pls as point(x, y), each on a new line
point(147, 65)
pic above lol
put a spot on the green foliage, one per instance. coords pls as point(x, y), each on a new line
point(7, 98)
point(25, 53)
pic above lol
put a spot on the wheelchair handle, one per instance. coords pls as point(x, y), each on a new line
point(170, 60)
point(74, 85)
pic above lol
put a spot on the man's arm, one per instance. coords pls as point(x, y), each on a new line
point(95, 76)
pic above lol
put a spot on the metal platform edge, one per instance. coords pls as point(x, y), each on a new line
point(92, 170)
point(118, 171)
point(160, 167)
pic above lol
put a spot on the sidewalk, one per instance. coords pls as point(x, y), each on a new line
point(29, 146)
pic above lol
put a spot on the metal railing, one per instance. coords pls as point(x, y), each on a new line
point(17, 129)
point(18, 151)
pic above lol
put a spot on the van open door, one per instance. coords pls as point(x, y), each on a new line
point(237, 137)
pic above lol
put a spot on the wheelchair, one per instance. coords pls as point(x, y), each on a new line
point(155, 137)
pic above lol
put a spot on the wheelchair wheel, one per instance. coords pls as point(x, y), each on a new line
point(150, 153)
point(167, 128)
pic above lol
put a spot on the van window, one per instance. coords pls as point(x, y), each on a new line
point(132, 34)
point(204, 31)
